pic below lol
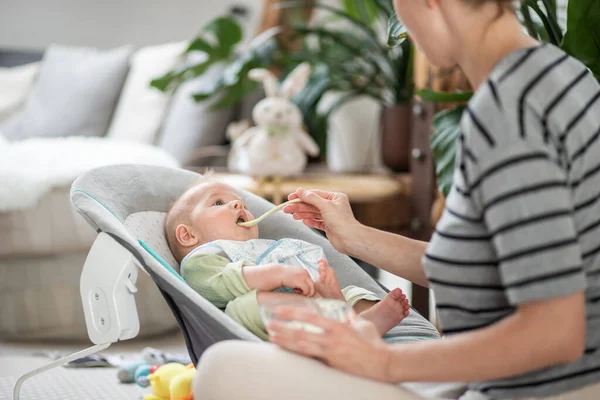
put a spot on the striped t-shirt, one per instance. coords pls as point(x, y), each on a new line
point(522, 221)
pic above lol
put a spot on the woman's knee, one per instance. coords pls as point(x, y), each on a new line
point(222, 367)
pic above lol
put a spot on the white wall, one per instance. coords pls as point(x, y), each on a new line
point(34, 24)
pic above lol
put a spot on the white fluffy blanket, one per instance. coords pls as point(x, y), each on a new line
point(31, 168)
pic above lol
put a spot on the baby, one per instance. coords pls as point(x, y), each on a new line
point(232, 268)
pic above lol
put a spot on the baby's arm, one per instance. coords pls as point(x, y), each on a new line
point(216, 278)
point(220, 281)
point(269, 277)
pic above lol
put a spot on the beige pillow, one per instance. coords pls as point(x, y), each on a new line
point(15, 85)
point(141, 108)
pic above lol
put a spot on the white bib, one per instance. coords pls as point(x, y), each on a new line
point(265, 251)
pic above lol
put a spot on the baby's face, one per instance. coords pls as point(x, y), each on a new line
point(216, 212)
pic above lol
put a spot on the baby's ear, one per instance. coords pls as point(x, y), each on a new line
point(185, 236)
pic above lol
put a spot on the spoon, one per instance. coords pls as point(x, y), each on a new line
point(266, 215)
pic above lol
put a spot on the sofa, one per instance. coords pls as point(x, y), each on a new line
point(62, 112)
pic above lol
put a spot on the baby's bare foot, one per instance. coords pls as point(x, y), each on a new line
point(327, 286)
point(388, 312)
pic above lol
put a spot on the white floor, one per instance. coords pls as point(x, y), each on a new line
point(95, 383)
point(68, 383)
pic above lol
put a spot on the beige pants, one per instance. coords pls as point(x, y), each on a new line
point(234, 370)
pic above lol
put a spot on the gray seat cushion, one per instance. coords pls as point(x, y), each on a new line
point(109, 199)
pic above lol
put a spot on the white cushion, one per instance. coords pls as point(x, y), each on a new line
point(15, 86)
point(189, 125)
point(141, 108)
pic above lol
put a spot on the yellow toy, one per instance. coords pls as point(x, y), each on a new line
point(172, 381)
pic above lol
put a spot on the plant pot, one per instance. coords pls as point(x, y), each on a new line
point(395, 136)
point(353, 143)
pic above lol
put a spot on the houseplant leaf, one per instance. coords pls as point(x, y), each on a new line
point(227, 32)
point(386, 6)
point(443, 145)
point(361, 27)
point(550, 22)
point(362, 10)
point(171, 79)
point(444, 97)
point(582, 39)
point(396, 31)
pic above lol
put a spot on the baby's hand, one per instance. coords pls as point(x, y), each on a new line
point(299, 279)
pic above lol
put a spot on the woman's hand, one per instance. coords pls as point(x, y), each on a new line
point(326, 211)
point(355, 348)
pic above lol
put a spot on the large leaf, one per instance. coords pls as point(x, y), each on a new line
point(443, 145)
point(361, 27)
point(396, 32)
point(172, 79)
point(444, 97)
point(226, 31)
point(386, 6)
point(308, 99)
point(548, 18)
point(582, 39)
point(233, 84)
point(362, 10)
point(216, 40)
point(343, 50)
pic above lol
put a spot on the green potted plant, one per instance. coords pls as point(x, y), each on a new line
point(357, 59)
point(357, 62)
point(218, 43)
point(581, 40)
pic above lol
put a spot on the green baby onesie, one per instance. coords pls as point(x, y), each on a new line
point(221, 282)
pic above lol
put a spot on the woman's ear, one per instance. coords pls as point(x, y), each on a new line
point(185, 236)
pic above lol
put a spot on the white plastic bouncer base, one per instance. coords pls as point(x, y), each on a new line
point(107, 289)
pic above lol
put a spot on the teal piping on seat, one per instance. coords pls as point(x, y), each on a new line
point(160, 260)
point(99, 202)
point(144, 245)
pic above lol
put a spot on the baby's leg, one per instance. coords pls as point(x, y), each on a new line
point(387, 313)
point(269, 297)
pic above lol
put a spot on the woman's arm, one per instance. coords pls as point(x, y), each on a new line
point(331, 213)
point(538, 335)
point(394, 253)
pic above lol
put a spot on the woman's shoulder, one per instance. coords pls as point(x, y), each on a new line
point(535, 79)
point(523, 93)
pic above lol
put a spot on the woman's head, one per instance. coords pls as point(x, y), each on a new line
point(440, 27)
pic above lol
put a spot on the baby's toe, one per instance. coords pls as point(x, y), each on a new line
point(397, 294)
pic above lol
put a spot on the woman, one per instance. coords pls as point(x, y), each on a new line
point(514, 262)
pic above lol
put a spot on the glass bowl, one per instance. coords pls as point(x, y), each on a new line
point(333, 309)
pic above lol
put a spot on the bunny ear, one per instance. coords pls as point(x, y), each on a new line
point(267, 78)
point(295, 81)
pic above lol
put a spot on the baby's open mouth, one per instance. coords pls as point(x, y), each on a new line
point(241, 217)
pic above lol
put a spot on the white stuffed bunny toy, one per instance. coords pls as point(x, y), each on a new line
point(277, 145)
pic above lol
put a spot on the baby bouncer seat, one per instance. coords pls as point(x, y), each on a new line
point(127, 205)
